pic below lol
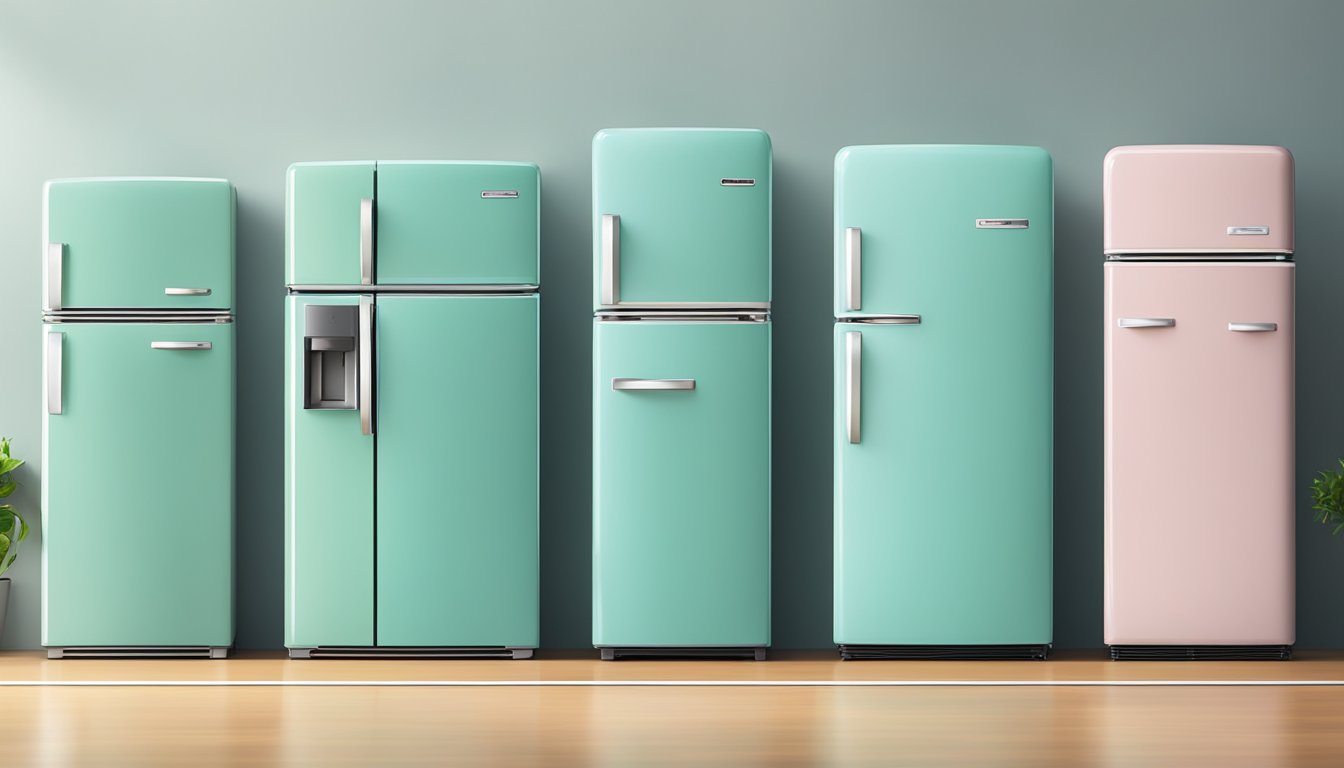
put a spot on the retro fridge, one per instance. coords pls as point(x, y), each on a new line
point(943, 360)
point(411, 423)
point(681, 392)
point(138, 407)
point(1199, 558)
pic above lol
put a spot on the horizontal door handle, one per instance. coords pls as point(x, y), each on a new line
point(659, 385)
point(180, 345)
point(1147, 322)
point(186, 291)
point(1253, 327)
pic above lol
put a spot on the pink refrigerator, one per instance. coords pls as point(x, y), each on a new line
point(1199, 402)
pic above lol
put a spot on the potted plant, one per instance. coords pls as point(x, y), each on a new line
point(13, 528)
point(1328, 490)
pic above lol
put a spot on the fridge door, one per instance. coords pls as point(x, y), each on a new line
point(681, 216)
point(457, 471)
point(1192, 199)
point(137, 487)
point(902, 212)
point(329, 224)
point(1199, 454)
point(142, 243)
point(681, 484)
point(944, 463)
point(329, 529)
point(458, 223)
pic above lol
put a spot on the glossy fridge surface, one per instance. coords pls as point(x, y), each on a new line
point(457, 500)
point(681, 485)
point(322, 222)
point(129, 242)
point(1199, 482)
point(1196, 198)
point(922, 210)
point(694, 208)
point(460, 222)
point(329, 526)
point(137, 488)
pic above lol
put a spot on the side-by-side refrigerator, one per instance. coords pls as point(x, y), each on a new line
point(943, 424)
point(1199, 551)
point(681, 392)
point(411, 416)
point(138, 407)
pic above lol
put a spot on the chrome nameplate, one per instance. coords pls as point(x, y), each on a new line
point(737, 182)
point(491, 194)
point(1248, 230)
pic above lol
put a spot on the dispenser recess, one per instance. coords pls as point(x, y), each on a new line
point(330, 361)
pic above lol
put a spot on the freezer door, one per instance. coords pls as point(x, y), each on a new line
point(681, 216)
point(457, 471)
point(1184, 199)
point(906, 215)
point(145, 243)
point(943, 470)
point(462, 223)
point(1199, 454)
point(137, 487)
point(328, 478)
point(329, 224)
point(681, 484)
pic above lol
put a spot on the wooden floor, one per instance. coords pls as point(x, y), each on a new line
point(850, 721)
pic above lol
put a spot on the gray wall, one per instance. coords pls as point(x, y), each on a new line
point(242, 89)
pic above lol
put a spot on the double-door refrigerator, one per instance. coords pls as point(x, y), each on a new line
point(1199, 551)
point(138, 406)
point(411, 410)
point(943, 429)
point(681, 392)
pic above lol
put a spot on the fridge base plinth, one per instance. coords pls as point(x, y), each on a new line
point(1201, 652)
point(411, 652)
point(138, 652)
point(753, 652)
point(932, 652)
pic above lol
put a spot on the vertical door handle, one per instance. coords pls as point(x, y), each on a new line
point(366, 241)
point(365, 365)
point(1253, 327)
point(853, 269)
point(55, 264)
point(55, 364)
point(853, 383)
point(611, 259)
point(1147, 322)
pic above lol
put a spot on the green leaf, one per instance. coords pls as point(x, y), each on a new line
point(8, 465)
point(7, 488)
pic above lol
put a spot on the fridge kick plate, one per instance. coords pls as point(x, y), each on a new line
point(1201, 652)
point(137, 652)
point(872, 652)
point(612, 653)
point(400, 652)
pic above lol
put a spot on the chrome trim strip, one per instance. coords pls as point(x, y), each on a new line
point(55, 373)
point(1253, 327)
point(611, 259)
point(853, 269)
point(1201, 255)
point(853, 384)
point(688, 305)
point(708, 316)
point(163, 318)
point(366, 241)
point(652, 385)
point(436, 288)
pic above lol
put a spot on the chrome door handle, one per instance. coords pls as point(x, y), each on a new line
point(366, 241)
point(365, 365)
point(55, 364)
point(634, 385)
point(181, 345)
point(853, 384)
point(853, 269)
point(1253, 327)
point(55, 265)
point(1147, 322)
point(611, 259)
point(186, 291)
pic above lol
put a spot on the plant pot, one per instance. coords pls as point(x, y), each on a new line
point(4, 604)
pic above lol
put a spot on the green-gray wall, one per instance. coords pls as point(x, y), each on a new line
point(242, 89)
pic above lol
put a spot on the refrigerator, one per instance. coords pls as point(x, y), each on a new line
point(681, 392)
point(943, 407)
point(138, 417)
point(411, 409)
point(1199, 451)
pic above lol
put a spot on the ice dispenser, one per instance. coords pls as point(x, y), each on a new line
point(330, 363)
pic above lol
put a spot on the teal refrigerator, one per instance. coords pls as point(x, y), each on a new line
point(411, 409)
point(138, 410)
point(943, 428)
point(681, 392)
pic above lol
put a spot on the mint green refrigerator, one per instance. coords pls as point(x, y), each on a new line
point(138, 409)
point(943, 403)
point(681, 392)
point(411, 409)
